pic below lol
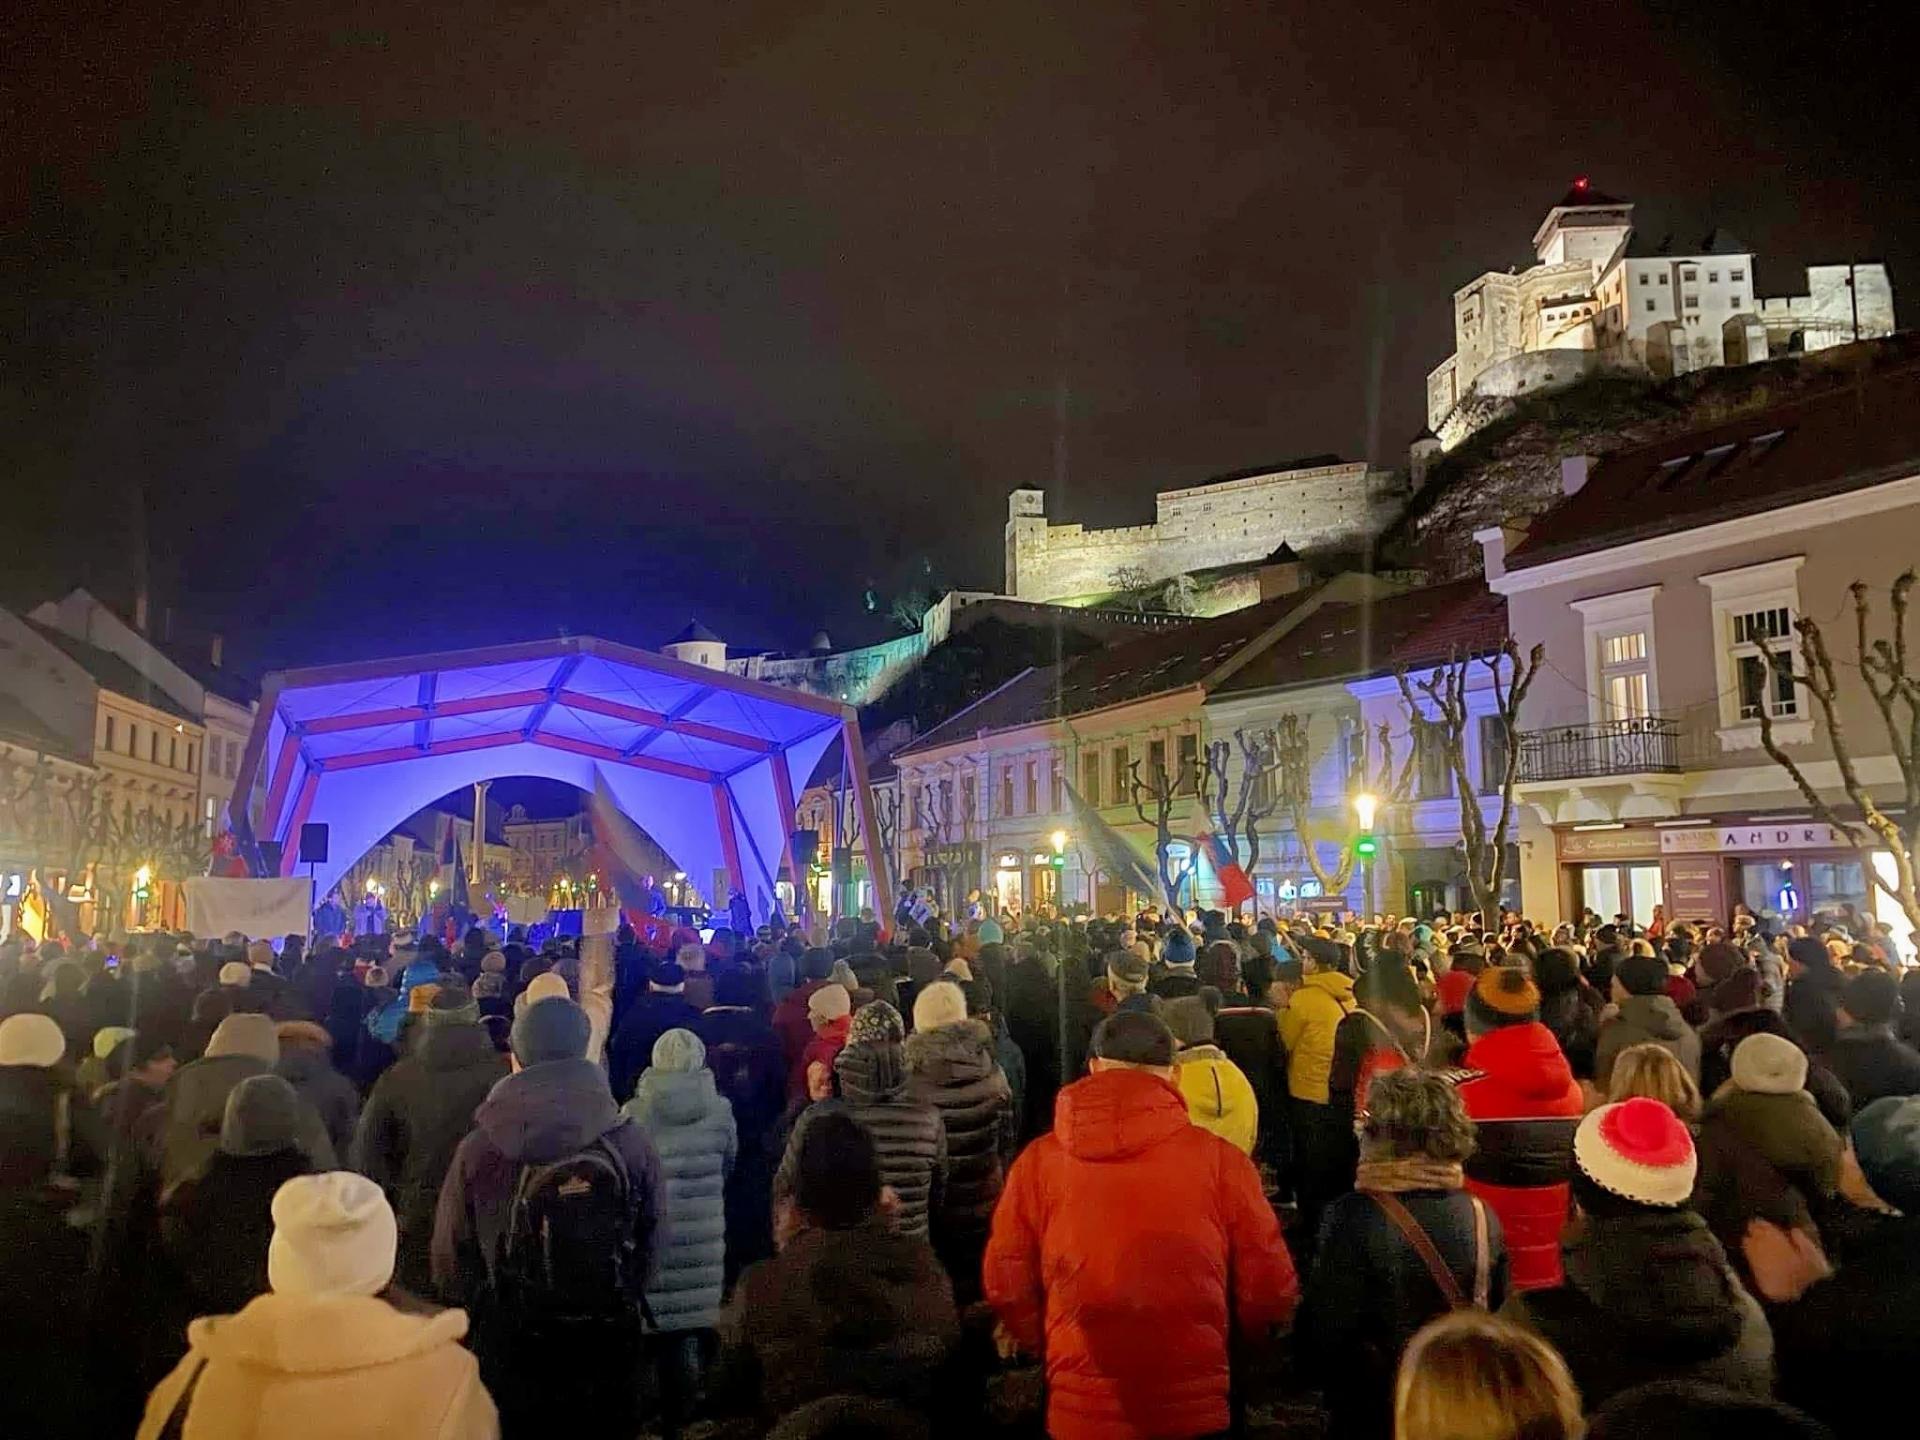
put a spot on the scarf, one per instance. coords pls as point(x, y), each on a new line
point(1412, 1172)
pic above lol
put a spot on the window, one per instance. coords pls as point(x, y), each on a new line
point(1713, 277)
point(1090, 777)
point(1623, 675)
point(1649, 305)
point(233, 757)
point(153, 746)
point(1435, 769)
point(1622, 682)
point(212, 806)
point(1006, 791)
point(1157, 761)
point(1188, 780)
point(1663, 279)
point(1059, 785)
point(1753, 613)
point(1734, 301)
point(1689, 275)
point(1736, 276)
point(1033, 786)
point(1122, 776)
point(108, 744)
point(133, 740)
point(1693, 302)
point(189, 757)
point(966, 797)
point(1646, 280)
point(1493, 754)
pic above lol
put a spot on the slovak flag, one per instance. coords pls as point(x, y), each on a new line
point(1236, 888)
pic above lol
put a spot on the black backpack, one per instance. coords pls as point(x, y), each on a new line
point(569, 1254)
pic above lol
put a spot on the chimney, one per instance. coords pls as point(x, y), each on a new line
point(140, 609)
point(1495, 542)
point(1574, 470)
point(216, 649)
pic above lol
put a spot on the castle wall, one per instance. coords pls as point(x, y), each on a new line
point(1229, 523)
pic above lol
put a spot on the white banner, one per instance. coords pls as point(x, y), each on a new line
point(258, 909)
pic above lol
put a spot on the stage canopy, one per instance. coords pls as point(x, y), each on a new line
point(702, 760)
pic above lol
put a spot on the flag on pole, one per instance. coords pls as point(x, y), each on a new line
point(1236, 888)
point(1121, 862)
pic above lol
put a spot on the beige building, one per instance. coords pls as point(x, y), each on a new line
point(1654, 587)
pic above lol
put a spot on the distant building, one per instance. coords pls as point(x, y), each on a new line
point(1602, 298)
point(1317, 504)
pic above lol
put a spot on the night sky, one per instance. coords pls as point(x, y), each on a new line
point(418, 332)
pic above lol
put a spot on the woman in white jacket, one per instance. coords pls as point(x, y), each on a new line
point(323, 1356)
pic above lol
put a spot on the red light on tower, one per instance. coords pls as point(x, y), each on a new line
point(1581, 183)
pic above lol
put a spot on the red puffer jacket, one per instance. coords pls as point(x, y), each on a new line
point(1112, 1250)
point(1526, 1105)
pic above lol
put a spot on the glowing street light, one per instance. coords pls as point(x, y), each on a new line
point(1365, 806)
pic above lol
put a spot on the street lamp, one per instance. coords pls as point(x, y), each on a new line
point(1365, 806)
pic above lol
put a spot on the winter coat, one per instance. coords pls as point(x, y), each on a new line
point(1173, 984)
point(1370, 1291)
point(1643, 1019)
point(1873, 1064)
point(908, 1133)
point(791, 1024)
point(1128, 1245)
point(693, 1133)
point(1032, 1010)
point(631, 1049)
point(1250, 1034)
point(821, 1050)
point(46, 1329)
point(1813, 998)
point(215, 1226)
point(188, 1130)
point(1574, 1018)
point(416, 1117)
point(1525, 1105)
point(1013, 1064)
point(1722, 1036)
point(1219, 1098)
point(330, 1093)
point(322, 1366)
point(1649, 1296)
point(1307, 1026)
point(1844, 1348)
point(1787, 1131)
point(953, 1069)
point(866, 1311)
point(533, 1117)
point(749, 1071)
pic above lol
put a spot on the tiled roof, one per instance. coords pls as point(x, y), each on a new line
point(1581, 193)
point(1352, 641)
point(1827, 444)
point(227, 684)
point(112, 673)
point(20, 726)
point(1135, 669)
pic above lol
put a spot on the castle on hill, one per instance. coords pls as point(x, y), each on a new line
point(1600, 298)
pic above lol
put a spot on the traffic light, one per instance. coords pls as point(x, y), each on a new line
point(1059, 862)
point(1366, 847)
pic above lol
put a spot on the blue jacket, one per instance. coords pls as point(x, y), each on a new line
point(692, 1130)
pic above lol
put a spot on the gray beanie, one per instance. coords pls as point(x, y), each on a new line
point(452, 1004)
point(553, 1029)
point(262, 1116)
point(1189, 1019)
point(679, 1052)
point(246, 1033)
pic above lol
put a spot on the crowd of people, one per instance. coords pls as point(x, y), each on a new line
point(1452, 1179)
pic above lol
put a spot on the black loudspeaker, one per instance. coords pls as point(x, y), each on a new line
point(843, 865)
point(270, 857)
point(313, 844)
point(806, 846)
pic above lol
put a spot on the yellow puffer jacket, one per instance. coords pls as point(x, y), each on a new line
point(1307, 1026)
point(1219, 1097)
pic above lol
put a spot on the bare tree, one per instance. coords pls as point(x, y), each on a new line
point(1163, 790)
point(1511, 676)
point(1895, 691)
point(1258, 795)
point(1293, 762)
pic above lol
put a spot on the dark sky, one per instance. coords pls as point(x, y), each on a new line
point(420, 331)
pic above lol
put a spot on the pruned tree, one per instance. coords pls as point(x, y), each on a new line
point(1163, 791)
point(1293, 765)
point(1882, 662)
point(1257, 797)
point(1510, 676)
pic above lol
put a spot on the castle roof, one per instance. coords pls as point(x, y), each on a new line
point(1582, 194)
point(1721, 241)
point(696, 634)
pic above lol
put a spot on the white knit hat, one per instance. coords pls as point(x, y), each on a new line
point(1637, 1149)
point(679, 1052)
point(333, 1234)
point(941, 1003)
point(829, 1002)
point(1769, 1065)
point(236, 973)
point(31, 1040)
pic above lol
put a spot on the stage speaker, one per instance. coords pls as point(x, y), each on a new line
point(843, 865)
point(313, 844)
point(806, 846)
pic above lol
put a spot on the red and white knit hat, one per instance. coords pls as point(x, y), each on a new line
point(1638, 1150)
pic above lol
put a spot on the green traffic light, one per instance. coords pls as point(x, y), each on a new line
point(1366, 845)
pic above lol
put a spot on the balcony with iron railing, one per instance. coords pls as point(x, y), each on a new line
point(1639, 745)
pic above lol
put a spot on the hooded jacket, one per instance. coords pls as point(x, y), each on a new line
point(1649, 1296)
point(1873, 1063)
point(1525, 1105)
point(1643, 1019)
point(954, 1070)
point(215, 1227)
point(330, 1093)
point(1127, 1246)
point(1219, 1097)
point(1787, 1131)
point(1308, 1025)
point(908, 1133)
point(416, 1116)
point(294, 1365)
point(693, 1133)
point(538, 1115)
point(1250, 1034)
point(187, 1127)
point(751, 1074)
